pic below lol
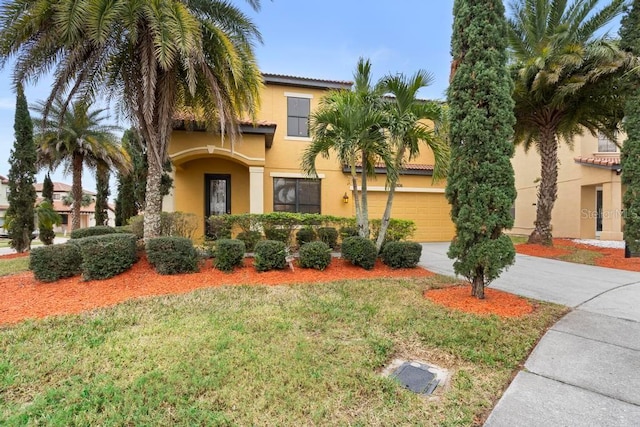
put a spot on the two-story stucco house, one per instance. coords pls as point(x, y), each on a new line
point(262, 173)
point(589, 203)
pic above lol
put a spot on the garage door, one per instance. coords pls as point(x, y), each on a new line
point(430, 212)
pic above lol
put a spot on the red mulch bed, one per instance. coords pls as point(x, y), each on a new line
point(24, 297)
point(611, 258)
point(496, 302)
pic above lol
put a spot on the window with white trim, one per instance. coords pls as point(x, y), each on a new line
point(605, 145)
point(300, 195)
point(298, 110)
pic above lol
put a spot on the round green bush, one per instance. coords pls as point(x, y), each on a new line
point(315, 255)
point(305, 235)
point(172, 255)
point(328, 235)
point(270, 255)
point(229, 254)
point(250, 238)
point(401, 254)
point(50, 263)
point(359, 251)
point(106, 255)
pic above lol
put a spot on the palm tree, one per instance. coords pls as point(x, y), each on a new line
point(150, 56)
point(565, 77)
point(351, 123)
point(406, 127)
point(80, 137)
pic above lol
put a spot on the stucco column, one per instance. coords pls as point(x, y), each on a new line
point(612, 210)
point(256, 190)
point(168, 201)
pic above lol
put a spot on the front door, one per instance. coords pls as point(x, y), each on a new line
point(217, 195)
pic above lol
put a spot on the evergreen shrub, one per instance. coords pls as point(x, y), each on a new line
point(270, 255)
point(305, 235)
point(249, 238)
point(98, 230)
point(401, 254)
point(279, 234)
point(172, 255)
point(50, 263)
point(229, 254)
point(106, 255)
point(315, 255)
point(359, 251)
point(328, 235)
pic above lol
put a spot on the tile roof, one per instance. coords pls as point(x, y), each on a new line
point(4, 179)
point(607, 162)
point(60, 187)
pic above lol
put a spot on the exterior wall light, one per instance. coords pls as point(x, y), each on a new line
point(345, 198)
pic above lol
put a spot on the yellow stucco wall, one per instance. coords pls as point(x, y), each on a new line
point(195, 154)
point(573, 214)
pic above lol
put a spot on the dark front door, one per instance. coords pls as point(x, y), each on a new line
point(598, 212)
point(217, 196)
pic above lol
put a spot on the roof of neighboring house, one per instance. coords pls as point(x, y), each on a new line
point(283, 79)
point(60, 187)
point(60, 207)
point(4, 179)
point(409, 169)
point(612, 163)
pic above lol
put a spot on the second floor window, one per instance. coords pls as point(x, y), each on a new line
point(605, 145)
point(298, 110)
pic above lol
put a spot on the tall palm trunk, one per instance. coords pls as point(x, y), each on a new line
point(386, 216)
point(76, 190)
point(548, 190)
point(356, 198)
point(364, 226)
point(153, 201)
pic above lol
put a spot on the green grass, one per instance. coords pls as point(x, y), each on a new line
point(581, 256)
point(518, 239)
point(283, 355)
point(13, 265)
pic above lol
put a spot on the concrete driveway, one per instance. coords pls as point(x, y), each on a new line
point(585, 371)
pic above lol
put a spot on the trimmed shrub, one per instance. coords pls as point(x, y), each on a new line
point(279, 234)
point(172, 255)
point(136, 225)
point(270, 255)
point(229, 254)
point(315, 255)
point(98, 230)
point(249, 238)
point(123, 229)
point(328, 235)
point(359, 251)
point(401, 254)
point(218, 227)
point(50, 263)
point(305, 235)
point(346, 232)
point(107, 255)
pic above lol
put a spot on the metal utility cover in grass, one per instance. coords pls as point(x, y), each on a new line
point(416, 377)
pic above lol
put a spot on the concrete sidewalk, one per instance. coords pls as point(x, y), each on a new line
point(586, 368)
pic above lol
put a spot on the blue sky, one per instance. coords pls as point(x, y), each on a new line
point(321, 39)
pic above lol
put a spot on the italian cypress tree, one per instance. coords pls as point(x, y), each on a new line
point(47, 216)
point(630, 156)
point(22, 193)
point(47, 189)
point(481, 186)
point(102, 194)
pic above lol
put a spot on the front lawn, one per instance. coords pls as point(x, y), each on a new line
point(11, 265)
point(256, 355)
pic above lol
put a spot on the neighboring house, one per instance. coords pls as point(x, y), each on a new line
point(4, 199)
point(87, 213)
point(262, 172)
point(589, 203)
